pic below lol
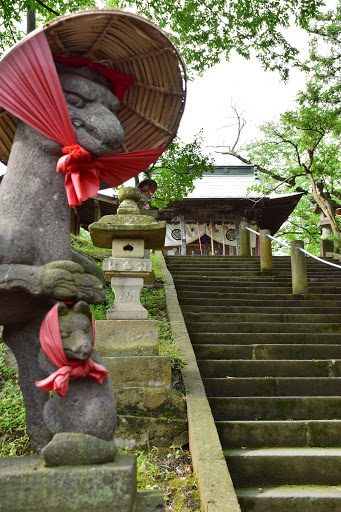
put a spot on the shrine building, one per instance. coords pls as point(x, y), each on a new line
point(207, 220)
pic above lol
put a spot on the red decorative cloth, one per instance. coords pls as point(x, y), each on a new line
point(83, 172)
point(119, 83)
point(52, 345)
point(30, 89)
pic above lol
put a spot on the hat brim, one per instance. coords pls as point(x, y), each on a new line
point(153, 106)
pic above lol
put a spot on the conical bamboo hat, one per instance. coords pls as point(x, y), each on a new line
point(152, 108)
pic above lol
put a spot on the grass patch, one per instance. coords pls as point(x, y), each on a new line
point(157, 267)
point(171, 472)
point(83, 243)
point(13, 437)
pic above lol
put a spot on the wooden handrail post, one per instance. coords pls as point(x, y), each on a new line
point(298, 268)
point(265, 250)
point(244, 239)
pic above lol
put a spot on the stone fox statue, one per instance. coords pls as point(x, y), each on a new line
point(83, 398)
point(35, 252)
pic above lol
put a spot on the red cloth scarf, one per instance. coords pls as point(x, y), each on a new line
point(30, 89)
point(52, 345)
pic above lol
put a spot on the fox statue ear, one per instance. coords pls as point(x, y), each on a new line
point(82, 307)
point(62, 309)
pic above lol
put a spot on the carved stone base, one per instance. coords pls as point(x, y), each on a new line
point(27, 486)
point(127, 305)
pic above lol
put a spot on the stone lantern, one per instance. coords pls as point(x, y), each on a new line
point(128, 234)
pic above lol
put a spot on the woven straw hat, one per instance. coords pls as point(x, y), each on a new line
point(152, 108)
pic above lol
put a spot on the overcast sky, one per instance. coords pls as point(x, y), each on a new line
point(259, 95)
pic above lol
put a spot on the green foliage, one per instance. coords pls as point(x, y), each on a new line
point(176, 170)
point(13, 16)
point(324, 63)
point(172, 473)
point(100, 310)
point(300, 152)
point(301, 225)
point(157, 267)
point(83, 243)
point(13, 437)
point(207, 31)
point(168, 346)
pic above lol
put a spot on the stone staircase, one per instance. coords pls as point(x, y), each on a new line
point(271, 366)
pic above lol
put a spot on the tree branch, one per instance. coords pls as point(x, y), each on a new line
point(46, 7)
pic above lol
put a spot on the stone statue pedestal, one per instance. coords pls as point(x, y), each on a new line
point(28, 486)
point(127, 305)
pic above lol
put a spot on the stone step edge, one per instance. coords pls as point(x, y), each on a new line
point(215, 484)
point(286, 451)
point(291, 492)
point(144, 432)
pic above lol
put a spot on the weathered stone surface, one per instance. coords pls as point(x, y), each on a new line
point(127, 337)
point(140, 371)
point(150, 401)
point(88, 264)
point(127, 248)
point(127, 305)
point(126, 267)
point(34, 231)
point(95, 124)
point(88, 407)
point(128, 223)
point(25, 289)
point(138, 432)
point(128, 226)
point(129, 197)
point(24, 343)
point(73, 449)
point(27, 486)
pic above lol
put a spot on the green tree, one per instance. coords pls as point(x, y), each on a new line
point(301, 225)
point(208, 30)
point(324, 63)
point(205, 31)
point(13, 16)
point(301, 153)
point(176, 170)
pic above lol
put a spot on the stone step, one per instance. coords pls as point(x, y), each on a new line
point(265, 352)
point(272, 386)
point(190, 259)
point(276, 408)
point(233, 258)
point(283, 266)
point(143, 432)
point(222, 294)
point(314, 433)
point(262, 317)
point(290, 499)
point(284, 466)
point(150, 401)
point(194, 303)
point(265, 327)
point(251, 275)
point(254, 309)
point(145, 371)
point(229, 277)
point(265, 338)
point(271, 368)
point(242, 286)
